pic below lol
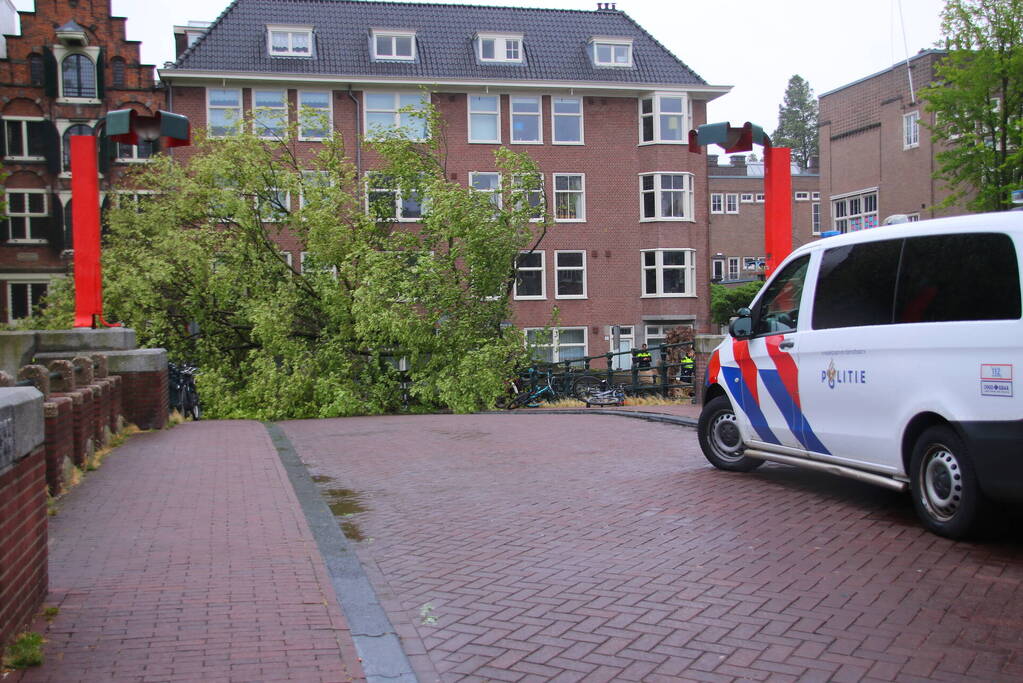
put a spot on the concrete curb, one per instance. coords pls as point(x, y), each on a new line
point(635, 414)
point(378, 645)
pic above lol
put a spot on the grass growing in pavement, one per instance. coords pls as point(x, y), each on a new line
point(25, 651)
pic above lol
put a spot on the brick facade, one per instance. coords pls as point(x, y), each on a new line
point(34, 104)
point(145, 398)
point(60, 430)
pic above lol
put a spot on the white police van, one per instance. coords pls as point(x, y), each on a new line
point(888, 355)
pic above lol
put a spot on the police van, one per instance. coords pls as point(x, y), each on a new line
point(887, 355)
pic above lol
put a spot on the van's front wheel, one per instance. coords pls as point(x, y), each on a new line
point(944, 484)
point(720, 439)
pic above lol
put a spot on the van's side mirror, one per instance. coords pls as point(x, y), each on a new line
point(741, 327)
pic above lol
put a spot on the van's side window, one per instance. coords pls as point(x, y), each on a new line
point(973, 276)
point(856, 285)
point(778, 309)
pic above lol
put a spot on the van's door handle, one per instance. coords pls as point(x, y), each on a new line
point(786, 344)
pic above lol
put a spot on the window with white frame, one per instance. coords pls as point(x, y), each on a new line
point(717, 269)
point(526, 126)
point(530, 279)
point(913, 217)
point(387, 111)
point(73, 128)
point(78, 76)
point(662, 119)
point(25, 138)
point(911, 130)
point(569, 197)
point(760, 197)
point(28, 213)
point(223, 111)
point(494, 47)
point(746, 198)
point(666, 196)
point(717, 202)
point(131, 153)
point(314, 183)
point(669, 272)
point(485, 118)
point(558, 344)
point(731, 203)
point(567, 120)
point(488, 183)
point(269, 113)
point(274, 205)
point(533, 196)
point(657, 335)
point(289, 41)
point(386, 201)
point(815, 196)
point(802, 196)
point(125, 199)
point(733, 267)
point(855, 211)
point(570, 274)
point(314, 114)
point(397, 45)
point(815, 218)
point(286, 257)
point(24, 297)
point(612, 52)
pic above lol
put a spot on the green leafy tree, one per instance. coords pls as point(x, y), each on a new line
point(977, 99)
point(726, 301)
point(797, 121)
point(195, 268)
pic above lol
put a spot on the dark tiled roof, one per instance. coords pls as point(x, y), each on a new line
point(555, 42)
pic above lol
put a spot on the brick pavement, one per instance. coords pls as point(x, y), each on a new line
point(535, 547)
point(186, 557)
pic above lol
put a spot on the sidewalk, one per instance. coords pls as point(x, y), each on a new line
point(187, 557)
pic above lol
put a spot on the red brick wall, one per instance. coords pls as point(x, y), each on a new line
point(82, 422)
point(23, 553)
point(60, 432)
point(145, 399)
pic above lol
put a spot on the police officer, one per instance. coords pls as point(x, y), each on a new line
point(688, 362)
point(641, 358)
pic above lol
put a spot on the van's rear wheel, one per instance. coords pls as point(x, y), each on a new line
point(720, 439)
point(944, 485)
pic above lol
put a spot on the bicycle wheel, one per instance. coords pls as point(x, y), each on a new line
point(604, 398)
point(521, 399)
point(584, 386)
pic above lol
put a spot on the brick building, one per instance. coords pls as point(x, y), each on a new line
point(736, 196)
point(67, 68)
point(876, 156)
point(600, 105)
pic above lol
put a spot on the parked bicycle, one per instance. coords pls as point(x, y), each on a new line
point(596, 391)
point(533, 395)
point(184, 397)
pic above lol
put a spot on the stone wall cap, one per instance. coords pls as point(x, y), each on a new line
point(22, 424)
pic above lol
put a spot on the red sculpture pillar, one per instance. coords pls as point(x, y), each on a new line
point(85, 230)
point(777, 205)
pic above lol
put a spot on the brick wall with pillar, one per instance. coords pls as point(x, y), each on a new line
point(23, 530)
point(703, 347)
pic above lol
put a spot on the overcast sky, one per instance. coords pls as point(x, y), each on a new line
point(753, 45)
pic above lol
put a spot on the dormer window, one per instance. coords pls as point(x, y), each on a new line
point(72, 35)
point(290, 41)
point(615, 52)
point(396, 45)
point(492, 47)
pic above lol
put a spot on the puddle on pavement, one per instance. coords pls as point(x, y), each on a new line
point(343, 504)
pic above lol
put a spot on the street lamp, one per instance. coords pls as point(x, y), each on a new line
point(123, 126)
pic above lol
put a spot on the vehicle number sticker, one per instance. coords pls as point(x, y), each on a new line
point(996, 379)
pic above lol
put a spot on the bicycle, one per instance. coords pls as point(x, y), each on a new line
point(594, 391)
point(184, 397)
point(533, 396)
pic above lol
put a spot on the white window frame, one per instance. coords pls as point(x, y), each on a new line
point(689, 271)
point(555, 99)
point(538, 115)
point(503, 44)
point(542, 269)
point(394, 110)
point(746, 198)
point(23, 279)
point(686, 190)
point(615, 45)
point(852, 207)
point(28, 214)
point(291, 50)
point(124, 199)
point(496, 113)
point(815, 218)
point(495, 192)
point(239, 117)
point(911, 130)
point(23, 121)
point(393, 37)
point(287, 257)
point(802, 196)
point(538, 195)
point(815, 196)
point(60, 53)
point(328, 113)
point(399, 215)
point(761, 197)
point(558, 268)
point(717, 269)
point(731, 202)
point(309, 178)
point(717, 202)
point(270, 117)
point(581, 218)
point(732, 271)
point(656, 114)
point(555, 343)
point(285, 200)
point(134, 157)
